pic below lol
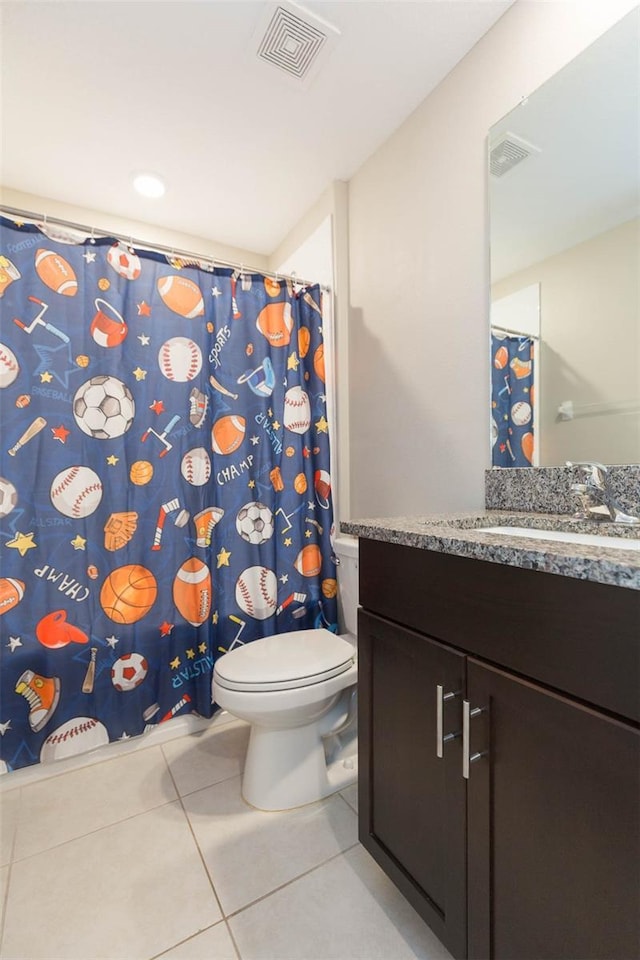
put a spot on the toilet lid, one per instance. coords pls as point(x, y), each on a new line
point(286, 660)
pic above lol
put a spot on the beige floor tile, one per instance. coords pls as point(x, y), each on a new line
point(9, 813)
point(62, 808)
point(249, 853)
point(203, 759)
point(351, 796)
point(347, 909)
point(212, 944)
point(4, 879)
point(130, 890)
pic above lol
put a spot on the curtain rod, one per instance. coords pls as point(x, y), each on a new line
point(159, 247)
point(515, 333)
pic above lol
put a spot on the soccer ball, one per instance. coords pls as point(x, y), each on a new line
point(104, 408)
point(8, 497)
point(125, 263)
point(254, 522)
point(129, 671)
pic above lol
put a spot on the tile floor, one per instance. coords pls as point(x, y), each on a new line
point(155, 854)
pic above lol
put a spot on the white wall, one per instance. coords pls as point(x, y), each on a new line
point(419, 307)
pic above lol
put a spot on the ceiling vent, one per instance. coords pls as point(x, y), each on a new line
point(294, 40)
point(508, 152)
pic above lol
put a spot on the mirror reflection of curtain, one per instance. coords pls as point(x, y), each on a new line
point(512, 400)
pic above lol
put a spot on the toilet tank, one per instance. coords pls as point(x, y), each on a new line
point(345, 549)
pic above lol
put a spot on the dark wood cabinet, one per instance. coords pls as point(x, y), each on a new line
point(536, 856)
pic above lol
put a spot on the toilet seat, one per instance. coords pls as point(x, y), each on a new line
point(285, 661)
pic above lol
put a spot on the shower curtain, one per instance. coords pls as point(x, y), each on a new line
point(165, 483)
point(512, 400)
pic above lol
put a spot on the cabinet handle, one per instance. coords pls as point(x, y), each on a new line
point(467, 716)
point(441, 699)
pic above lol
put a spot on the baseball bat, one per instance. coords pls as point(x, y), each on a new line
point(38, 424)
point(218, 386)
point(90, 676)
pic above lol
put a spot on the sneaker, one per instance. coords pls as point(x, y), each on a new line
point(42, 695)
point(198, 404)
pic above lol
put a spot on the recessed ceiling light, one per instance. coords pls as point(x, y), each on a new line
point(149, 185)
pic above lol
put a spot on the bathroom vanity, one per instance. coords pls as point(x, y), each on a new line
point(499, 736)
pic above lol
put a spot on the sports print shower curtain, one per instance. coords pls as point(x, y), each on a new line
point(512, 399)
point(165, 484)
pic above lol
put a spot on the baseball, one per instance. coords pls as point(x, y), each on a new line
point(196, 466)
point(521, 413)
point(180, 359)
point(256, 592)
point(76, 492)
point(297, 410)
point(77, 735)
point(9, 366)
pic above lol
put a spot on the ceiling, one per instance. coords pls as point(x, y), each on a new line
point(98, 90)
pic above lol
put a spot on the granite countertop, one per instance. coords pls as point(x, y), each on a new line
point(459, 534)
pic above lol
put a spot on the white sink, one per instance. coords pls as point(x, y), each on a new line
point(586, 539)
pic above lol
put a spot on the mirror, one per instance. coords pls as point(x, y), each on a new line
point(564, 202)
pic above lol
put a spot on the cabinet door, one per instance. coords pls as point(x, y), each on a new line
point(553, 826)
point(412, 803)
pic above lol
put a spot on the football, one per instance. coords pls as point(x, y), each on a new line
point(56, 273)
point(181, 295)
point(104, 407)
point(8, 497)
point(11, 593)
point(254, 522)
point(125, 263)
point(129, 671)
point(192, 591)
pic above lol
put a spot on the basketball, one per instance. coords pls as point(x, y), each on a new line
point(181, 295)
point(304, 339)
point(271, 286)
point(318, 362)
point(56, 273)
point(192, 591)
point(128, 593)
point(329, 588)
point(309, 561)
point(141, 472)
point(227, 434)
point(527, 446)
point(300, 483)
point(275, 323)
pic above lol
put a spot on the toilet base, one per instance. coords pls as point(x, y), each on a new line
point(288, 768)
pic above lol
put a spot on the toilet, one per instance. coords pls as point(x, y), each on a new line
point(298, 692)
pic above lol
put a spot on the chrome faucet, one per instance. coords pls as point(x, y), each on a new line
point(596, 500)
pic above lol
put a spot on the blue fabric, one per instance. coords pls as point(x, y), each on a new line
point(175, 500)
point(512, 400)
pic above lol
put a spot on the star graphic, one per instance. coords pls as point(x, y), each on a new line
point(60, 433)
point(307, 534)
point(322, 397)
point(223, 558)
point(214, 619)
point(322, 426)
point(215, 292)
point(124, 736)
point(275, 425)
point(4, 727)
point(292, 361)
point(321, 331)
point(175, 663)
point(166, 628)
point(112, 641)
point(22, 542)
point(284, 578)
point(202, 647)
point(255, 440)
point(311, 505)
point(144, 339)
point(78, 542)
point(89, 256)
point(53, 358)
point(144, 310)
point(190, 653)
point(251, 484)
point(157, 406)
point(112, 460)
point(139, 374)
point(46, 377)
point(288, 542)
point(14, 643)
point(270, 412)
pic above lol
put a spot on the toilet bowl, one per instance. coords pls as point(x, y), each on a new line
point(298, 692)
